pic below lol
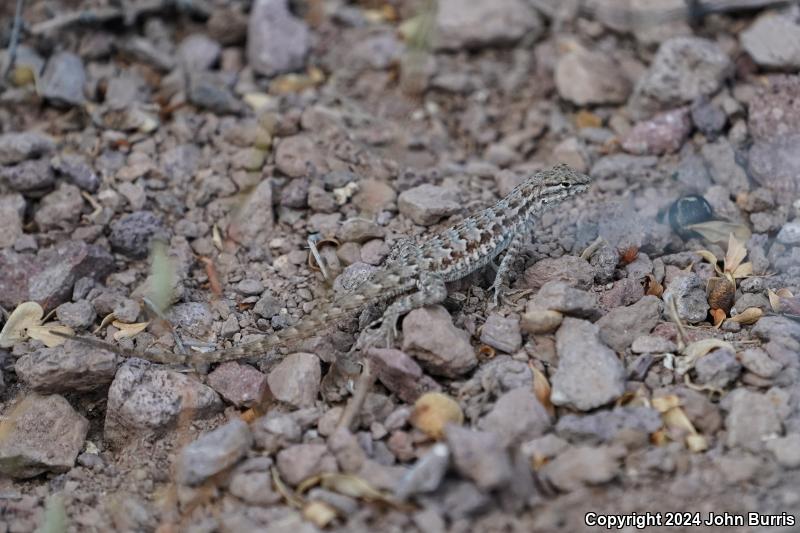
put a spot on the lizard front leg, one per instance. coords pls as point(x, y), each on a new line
point(505, 265)
point(430, 290)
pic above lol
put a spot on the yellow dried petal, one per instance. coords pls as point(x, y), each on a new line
point(433, 411)
point(26, 314)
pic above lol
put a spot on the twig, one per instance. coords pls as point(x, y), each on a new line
point(592, 248)
point(129, 15)
point(365, 382)
point(673, 314)
point(13, 41)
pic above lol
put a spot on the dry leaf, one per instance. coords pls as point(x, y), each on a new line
point(742, 271)
point(785, 293)
point(719, 316)
point(352, 486)
point(695, 351)
point(653, 287)
point(659, 438)
point(43, 334)
point(319, 513)
point(748, 316)
point(710, 258)
point(662, 404)
point(108, 319)
point(433, 411)
point(26, 314)
point(718, 231)
point(541, 389)
point(128, 330)
point(696, 443)
point(774, 301)
point(676, 419)
point(587, 119)
point(735, 254)
point(290, 497)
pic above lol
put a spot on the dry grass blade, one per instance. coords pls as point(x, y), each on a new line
point(162, 277)
point(718, 231)
point(48, 334)
point(128, 330)
point(541, 389)
point(290, 497)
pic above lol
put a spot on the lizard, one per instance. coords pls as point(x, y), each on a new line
point(415, 273)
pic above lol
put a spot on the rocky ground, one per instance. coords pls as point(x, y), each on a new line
point(162, 169)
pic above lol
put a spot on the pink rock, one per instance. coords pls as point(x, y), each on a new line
point(242, 385)
point(664, 133)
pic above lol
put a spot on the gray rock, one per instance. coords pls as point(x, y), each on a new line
point(180, 162)
point(773, 40)
point(242, 385)
point(301, 461)
point(479, 456)
point(790, 233)
point(133, 234)
point(627, 166)
point(718, 369)
point(426, 474)
point(476, 24)
point(775, 164)
point(441, 348)
point(559, 296)
point(463, 500)
point(252, 483)
point(709, 118)
point(588, 78)
point(603, 427)
point(516, 416)
point(583, 465)
point(401, 374)
point(774, 111)
point(296, 379)
point(752, 419)
point(17, 147)
point(40, 434)
point(360, 230)
point(68, 368)
point(276, 431)
point(299, 156)
point(786, 450)
point(194, 317)
point(50, 276)
point(210, 90)
point(259, 217)
point(690, 298)
point(758, 361)
point(213, 452)
point(776, 328)
point(277, 42)
point(60, 209)
point(665, 133)
point(147, 399)
point(77, 171)
point(721, 160)
point(12, 210)
point(28, 176)
point(428, 204)
point(683, 69)
point(199, 52)
point(589, 373)
point(250, 287)
point(78, 315)
point(573, 270)
point(502, 333)
point(63, 79)
point(622, 325)
point(653, 344)
point(376, 52)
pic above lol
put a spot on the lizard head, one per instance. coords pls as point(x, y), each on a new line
point(559, 183)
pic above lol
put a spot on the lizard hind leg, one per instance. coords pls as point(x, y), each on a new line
point(431, 290)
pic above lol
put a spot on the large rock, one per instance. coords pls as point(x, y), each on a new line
point(17, 147)
point(277, 41)
point(589, 373)
point(296, 379)
point(74, 366)
point(63, 79)
point(775, 164)
point(773, 41)
point(622, 325)
point(590, 78)
point(145, 399)
point(683, 69)
point(49, 276)
point(213, 452)
point(40, 434)
point(469, 24)
point(440, 347)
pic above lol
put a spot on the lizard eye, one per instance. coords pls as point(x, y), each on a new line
point(565, 184)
